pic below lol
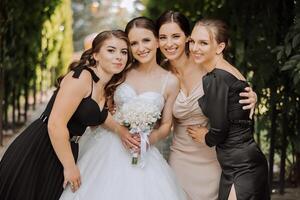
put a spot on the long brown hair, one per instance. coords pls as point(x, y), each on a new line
point(87, 60)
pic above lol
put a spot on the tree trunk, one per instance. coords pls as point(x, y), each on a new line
point(26, 93)
point(1, 102)
point(42, 85)
point(297, 168)
point(272, 135)
point(13, 107)
point(34, 93)
point(285, 129)
point(5, 108)
point(19, 105)
point(258, 140)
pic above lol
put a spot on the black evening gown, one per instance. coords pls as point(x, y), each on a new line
point(231, 131)
point(30, 169)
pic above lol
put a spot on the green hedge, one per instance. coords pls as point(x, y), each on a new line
point(35, 47)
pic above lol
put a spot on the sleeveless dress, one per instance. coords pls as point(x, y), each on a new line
point(195, 164)
point(106, 169)
point(243, 163)
point(30, 169)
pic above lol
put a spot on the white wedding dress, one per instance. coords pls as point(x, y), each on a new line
point(106, 169)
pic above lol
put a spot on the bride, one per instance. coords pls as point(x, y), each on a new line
point(105, 161)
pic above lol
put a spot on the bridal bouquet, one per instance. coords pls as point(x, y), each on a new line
point(140, 117)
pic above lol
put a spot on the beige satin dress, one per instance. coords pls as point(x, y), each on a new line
point(195, 164)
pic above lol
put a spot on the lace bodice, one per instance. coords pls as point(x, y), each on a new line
point(125, 93)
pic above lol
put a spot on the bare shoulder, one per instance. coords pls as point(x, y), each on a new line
point(173, 83)
point(232, 70)
point(131, 70)
point(82, 83)
point(85, 76)
point(173, 80)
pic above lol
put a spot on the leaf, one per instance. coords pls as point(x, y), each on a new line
point(279, 55)
point(296, 41)
point(290, 62)
point(295, 57)
point(296, 79)
point(298, 66)
point(277, 49)
point(288, 49)
point(287, 38)
point(287, 67)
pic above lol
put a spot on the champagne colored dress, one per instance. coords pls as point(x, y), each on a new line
point(195, 164)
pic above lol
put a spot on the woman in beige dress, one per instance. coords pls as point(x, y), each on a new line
point(195, 164)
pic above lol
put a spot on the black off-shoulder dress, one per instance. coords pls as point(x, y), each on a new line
point(231, 131)
point(30, 169)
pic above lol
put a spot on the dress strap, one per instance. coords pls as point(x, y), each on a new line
point(95, 78)
point(78, 70)
point(165, 83)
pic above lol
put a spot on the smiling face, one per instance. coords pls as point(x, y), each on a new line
point(113, 55)
point(172, 41)
point(143, 44)
point(203, 45)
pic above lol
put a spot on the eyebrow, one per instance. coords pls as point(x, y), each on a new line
point(116, 48)
point(198, 40)
point(171, 34)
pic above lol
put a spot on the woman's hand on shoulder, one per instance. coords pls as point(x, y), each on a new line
point(249, 101)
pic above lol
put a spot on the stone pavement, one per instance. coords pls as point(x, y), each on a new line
point(32, 115)
point(290, 194)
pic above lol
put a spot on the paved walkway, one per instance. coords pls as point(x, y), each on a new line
point(290, 193)
point(32, 115)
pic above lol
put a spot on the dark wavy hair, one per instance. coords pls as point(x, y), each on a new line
point(182, 21)
point(142, 22)
point(170, 16)
point(87, 60)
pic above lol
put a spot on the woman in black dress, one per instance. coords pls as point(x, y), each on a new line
point(244, 166)
point(41, 161)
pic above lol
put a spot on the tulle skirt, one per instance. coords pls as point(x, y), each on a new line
point(107, 172)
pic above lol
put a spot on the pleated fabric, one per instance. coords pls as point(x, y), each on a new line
point(30, 169)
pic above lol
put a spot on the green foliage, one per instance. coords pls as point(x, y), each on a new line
point(56, 41)
point(288, 54)
point(193, 9)
point(265, 47)
point(32, 40)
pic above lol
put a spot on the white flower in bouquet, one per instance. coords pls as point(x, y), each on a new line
point(140, 117)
